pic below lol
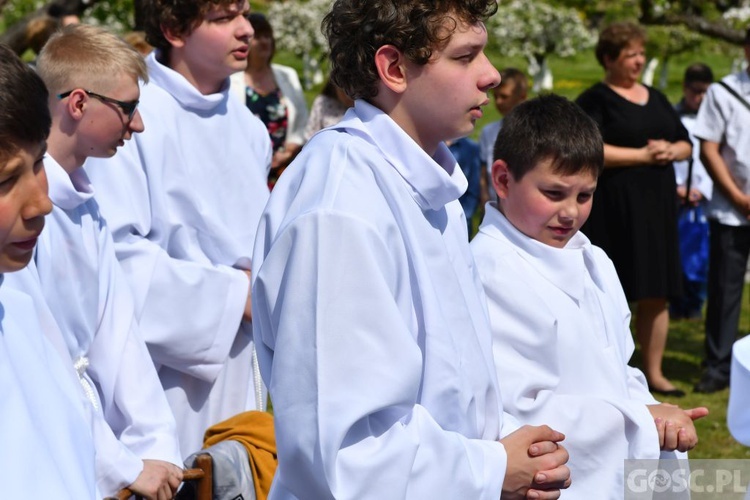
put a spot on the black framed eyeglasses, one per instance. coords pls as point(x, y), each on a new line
point(127, 107)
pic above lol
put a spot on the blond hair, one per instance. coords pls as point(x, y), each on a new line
point(88, 57)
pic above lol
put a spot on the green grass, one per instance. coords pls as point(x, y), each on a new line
point(682, 365)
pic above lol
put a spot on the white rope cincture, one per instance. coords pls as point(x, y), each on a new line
point(81, 364)
point(258, 382)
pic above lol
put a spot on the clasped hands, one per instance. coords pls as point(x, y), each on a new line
point(660, 151)
point(535, 464)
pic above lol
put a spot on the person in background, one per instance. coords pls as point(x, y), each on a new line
point(692, 224)
point(327, 108)
point(634, 217)
point(513, 90)
point(274, 94)
point(466, 152)
point(723, 127)
point(137, 39)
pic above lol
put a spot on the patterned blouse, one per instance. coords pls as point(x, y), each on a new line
point(272, 111)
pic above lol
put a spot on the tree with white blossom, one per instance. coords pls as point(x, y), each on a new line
point(738, 18)
point(536, 30)
point(296, 26)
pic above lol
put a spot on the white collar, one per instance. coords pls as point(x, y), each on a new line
point(435, 181)
point(67, 191)
point(564, 267)
point(181, 89)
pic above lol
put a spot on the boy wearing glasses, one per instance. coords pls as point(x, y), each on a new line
point(92, 77)
point(183, 200)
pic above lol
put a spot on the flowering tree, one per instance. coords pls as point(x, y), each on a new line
point(739, 19)
point(663, 43)
point(537, 30)
point(296, 25)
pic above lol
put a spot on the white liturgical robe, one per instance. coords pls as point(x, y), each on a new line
point(183, 200)
point(738, 412)
point(47, 448)
point(372, 329)
point(561, 341)
point(91, 301)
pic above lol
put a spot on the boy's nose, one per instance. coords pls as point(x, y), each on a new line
point(246, 29)
point(37, 203)
point(490, 76)
point(569, 212)
point(136, 123)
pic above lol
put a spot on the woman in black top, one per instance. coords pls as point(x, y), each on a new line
point(634, 216)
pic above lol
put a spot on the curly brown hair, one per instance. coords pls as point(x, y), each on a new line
point(180, 17)
point(356, 29)
point(616, 37)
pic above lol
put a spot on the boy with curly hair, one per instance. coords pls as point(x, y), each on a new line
point(371, 323)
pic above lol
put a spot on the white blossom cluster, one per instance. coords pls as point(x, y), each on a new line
point(737, 17)
point(296, 26)
point(535, 30)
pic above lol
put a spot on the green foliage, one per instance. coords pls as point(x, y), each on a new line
point(116, 15)
point(682, 364)
point(667, 41)
point(597, 11)
point(17, 9)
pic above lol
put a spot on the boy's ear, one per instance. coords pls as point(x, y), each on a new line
point(500, 178)
point(390, 63)
point(75, 104)
point(173, 39)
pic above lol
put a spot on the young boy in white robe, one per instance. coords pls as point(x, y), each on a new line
point(92, 76)
point(371, 324)
point(560, 320)
point(48, 451)
point(183, 200)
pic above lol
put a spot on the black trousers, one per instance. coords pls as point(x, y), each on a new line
point(728, 252)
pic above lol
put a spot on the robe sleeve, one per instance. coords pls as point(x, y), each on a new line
point(343, 365)
point(189, 311)
point(134, 407)
point(528, 357)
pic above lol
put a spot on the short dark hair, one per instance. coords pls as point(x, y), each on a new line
point(698, 72)
point(181, 17)
point(261, 26)
point(24, 110)
point(616, 37)
point(517, 77)
point(747, 36)
point(550, 127)
point(356, 29)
